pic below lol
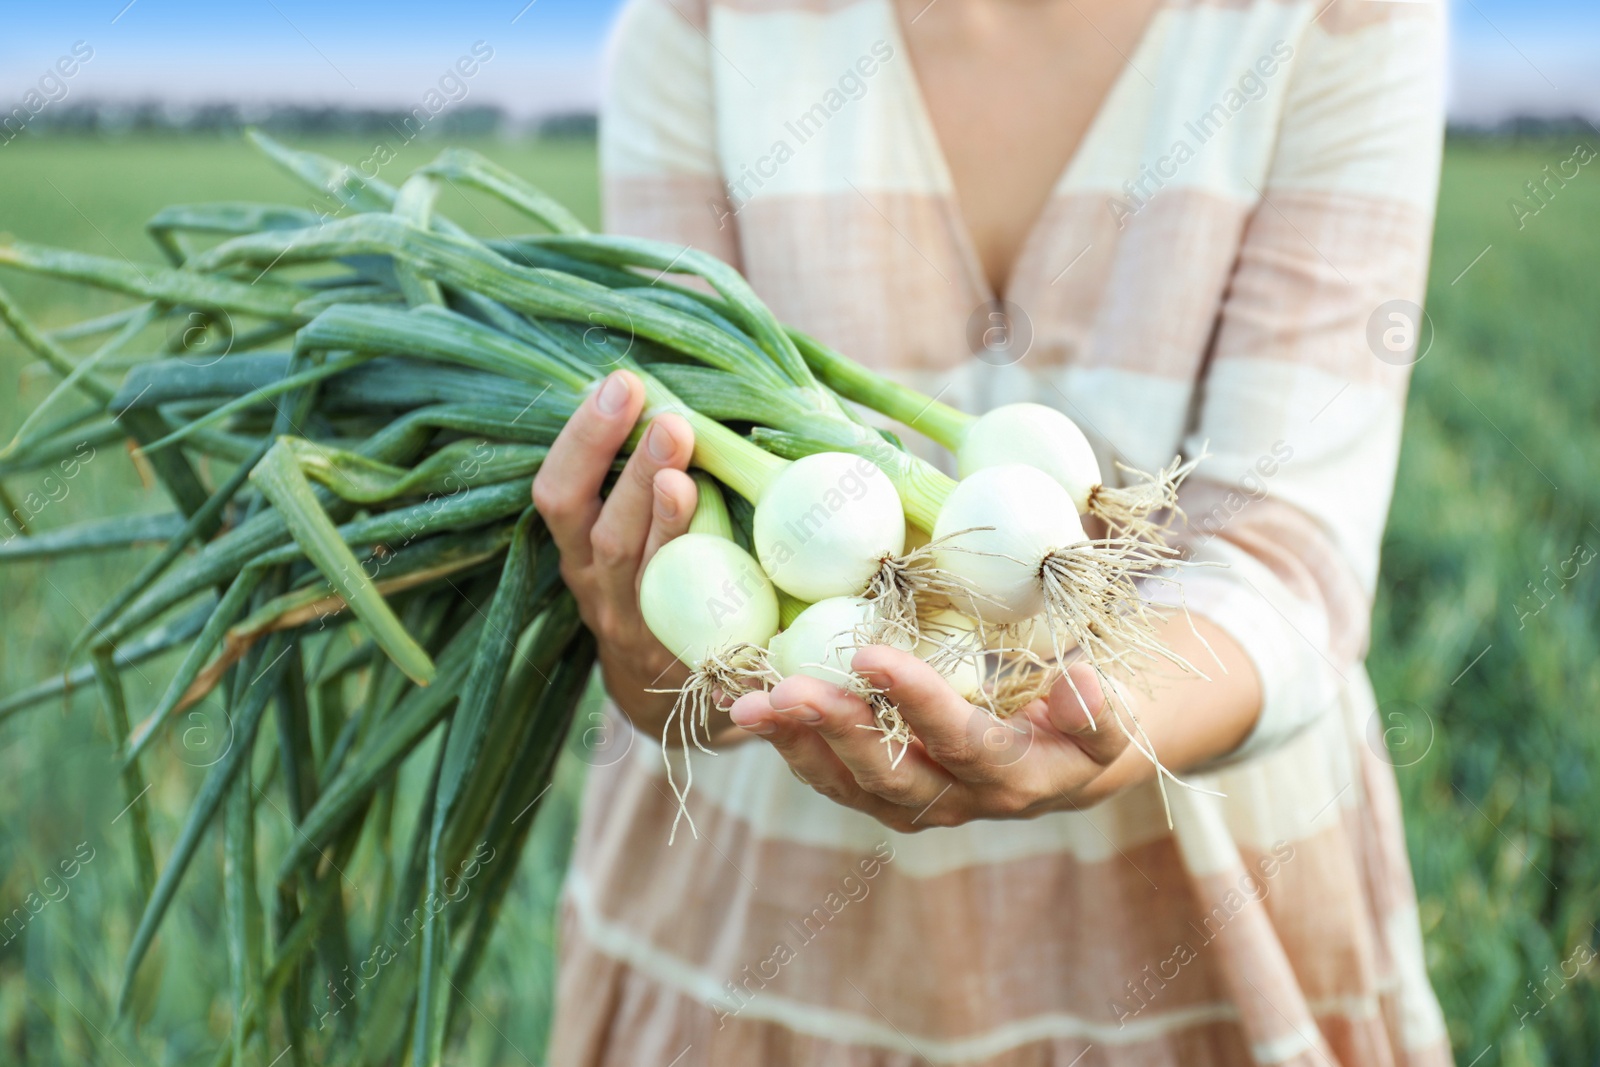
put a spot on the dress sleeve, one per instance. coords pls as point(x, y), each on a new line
point(659, 169)
point(1302, 399)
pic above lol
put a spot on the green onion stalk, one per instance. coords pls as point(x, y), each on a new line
point(346, 406)
point(1032, 434)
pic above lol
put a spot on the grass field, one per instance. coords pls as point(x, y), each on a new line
point(1488, 705)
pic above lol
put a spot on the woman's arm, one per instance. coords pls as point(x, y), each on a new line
point(1301, 409)
point(1302, 401)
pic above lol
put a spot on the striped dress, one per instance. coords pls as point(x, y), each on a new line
point(1228, 259)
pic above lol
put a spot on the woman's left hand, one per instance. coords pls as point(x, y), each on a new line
point(964, 764)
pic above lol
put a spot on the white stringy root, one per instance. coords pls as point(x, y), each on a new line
point(886, 719)
point(1021, 678)
point(1024, 677)
point(904, 585)
point(725, 676)
point(1132, 510)
point(1092, 599)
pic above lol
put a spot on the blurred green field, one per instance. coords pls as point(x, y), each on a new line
point(1488, 706)
point(59, 975)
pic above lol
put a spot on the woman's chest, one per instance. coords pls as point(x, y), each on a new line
point(1010, 89)
point(850, 224)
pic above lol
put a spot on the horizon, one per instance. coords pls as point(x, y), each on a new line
point(1507, 59)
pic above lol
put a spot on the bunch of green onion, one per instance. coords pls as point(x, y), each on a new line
point(370, 568)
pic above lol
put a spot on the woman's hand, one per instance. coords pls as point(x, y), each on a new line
point(605, 545)
point(964, 765)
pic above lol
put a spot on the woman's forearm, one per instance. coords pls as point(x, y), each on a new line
point(1189, 718)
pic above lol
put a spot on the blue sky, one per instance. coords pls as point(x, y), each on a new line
point(1509, 55)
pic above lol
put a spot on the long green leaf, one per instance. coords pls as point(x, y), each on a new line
point(179, 478)
point(464, 263)
point(194, 658)
point(267, 300)
point(411, 720)
point(291, 948)
point(74, 378)
point(340, 181)
point(241, 904)
point(220, 218)
point(94, 327)
point(225, 557)
point(465, 167)
point(162, 381)
point(115, 704)
point(548, 724)
point(94, 535)
point(731, 398)
point(468, 728)
point(439, 334)
point(456, 466)
point(288, 383)
point(279, 477)
point(63, 448)
point(414, 203)
point(247, 719)
point(202, 524)
point(147, 646)
point(742, 303)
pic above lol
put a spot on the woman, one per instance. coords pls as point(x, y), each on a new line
point(1180, 223)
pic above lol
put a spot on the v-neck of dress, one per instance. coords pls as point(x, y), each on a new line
point(932, 150)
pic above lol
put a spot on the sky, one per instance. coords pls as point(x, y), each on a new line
point(1508, 56)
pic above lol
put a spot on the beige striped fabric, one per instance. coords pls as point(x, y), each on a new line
point(1259, 182)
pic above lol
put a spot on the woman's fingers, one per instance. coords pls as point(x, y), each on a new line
point(1077, 708)
point(566, 490)
point(675, 496)
point(811, 758)
point(617, 539)
point(958, 737)
point(846, 724)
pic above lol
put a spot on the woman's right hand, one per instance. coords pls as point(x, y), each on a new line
point(605, 544)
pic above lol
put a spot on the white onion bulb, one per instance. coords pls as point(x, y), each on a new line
point(1037, 436)
point(822, 640)
point(947, 626)
point(825, 524)
point(1031, 515)
point(702, 593)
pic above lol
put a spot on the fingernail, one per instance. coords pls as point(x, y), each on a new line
point(613, 394)
point(747, 719)
point(802, 713)
point(658, 443)
point(666, 505)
